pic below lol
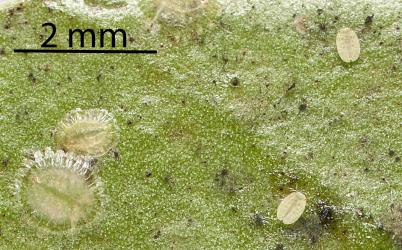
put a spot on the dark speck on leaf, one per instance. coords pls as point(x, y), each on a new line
point(220, 177)
point(233, 208)
point(32, 77)
point(397, 159)
point(364, 139)
point(5, 162)
point(46, 67)
point(148, 174)
point(224, 172)
point(336, 19)
point(369, 20)
point(320, 11)
point(157, 235)
point(279, 247)
point(259, 219)
point(99, 77)
point(235, 82)
point(225, 59)
point(302, 107)
point(291, 86)
point(322, 27)
point(325, 213)
point(11, 12)
point(391, 153)
point(116, 154)
point(20, 7)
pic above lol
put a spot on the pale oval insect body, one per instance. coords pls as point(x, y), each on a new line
point(5, 4)
point(175, 11)
point(91, 132)
point(103, 10)
point(59, 188)
point(300, 24)
point(348, 45)
point(291, 208)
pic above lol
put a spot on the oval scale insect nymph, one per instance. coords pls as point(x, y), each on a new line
point(348, 45)
point(59, 189)
point(291, 208)
point(92, 132)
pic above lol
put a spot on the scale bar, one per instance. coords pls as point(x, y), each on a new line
point(85, 51)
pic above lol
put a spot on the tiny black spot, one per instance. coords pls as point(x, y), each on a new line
point(5, 162)
point(235, 82)
point(320, 11)
point(225, 59)
point(366, 169)
point(129, 122)
point(325, 213)
point(397, 159)
point(224, 172)
point(46, 67)
point(11, 12)
point(116, 154)
point(336, 19)
point(190, 222)
point(291, 86)
point(99, 77)
point(369, 20)
point(259, 219)
point(157, 235)
point(302, 107)
point(364, 139)
point(322, 26)
point(32, 77)
point(20, 7)
point(391, 153)
point(279, 247)
point(148, 174)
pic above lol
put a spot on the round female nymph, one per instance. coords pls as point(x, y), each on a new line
point(91, 132)
point(59, 188)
